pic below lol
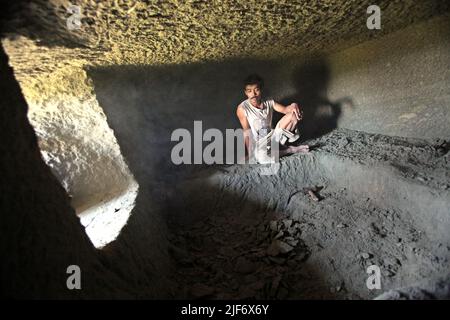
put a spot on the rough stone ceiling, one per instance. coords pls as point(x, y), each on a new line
point(176, 31)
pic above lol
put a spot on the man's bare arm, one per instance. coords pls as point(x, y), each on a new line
point(240, 112)
point(293, 107)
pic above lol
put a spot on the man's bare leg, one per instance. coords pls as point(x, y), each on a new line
point(296, 149)
point(289, 122)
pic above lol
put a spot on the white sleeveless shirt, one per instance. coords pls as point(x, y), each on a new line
point(260, 120)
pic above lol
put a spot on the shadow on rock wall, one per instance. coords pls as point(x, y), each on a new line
point(321, 115)
point(145, 104)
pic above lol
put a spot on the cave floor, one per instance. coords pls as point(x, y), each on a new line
point(308, 249)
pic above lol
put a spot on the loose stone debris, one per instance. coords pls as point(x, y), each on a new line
point(249, 263)
point(313, 249)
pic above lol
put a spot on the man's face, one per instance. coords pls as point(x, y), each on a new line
point(253, 93)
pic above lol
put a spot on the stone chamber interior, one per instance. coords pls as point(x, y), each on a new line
point(87, 178)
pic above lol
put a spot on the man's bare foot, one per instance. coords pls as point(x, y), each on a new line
point(301, 148)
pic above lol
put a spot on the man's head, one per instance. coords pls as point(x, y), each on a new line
point(253, 86)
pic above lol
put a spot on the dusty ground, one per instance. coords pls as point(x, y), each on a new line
point(267, 238)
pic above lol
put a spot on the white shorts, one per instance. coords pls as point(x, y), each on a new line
point(263, 152)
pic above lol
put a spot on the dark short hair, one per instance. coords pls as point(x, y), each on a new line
point(254, 79)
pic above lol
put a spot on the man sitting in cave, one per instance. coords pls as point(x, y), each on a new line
point(255, 116)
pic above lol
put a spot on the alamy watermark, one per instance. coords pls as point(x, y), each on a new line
point(229, 149)
point(74, 280)
point(74, 21)
point(374, 20)
point(374, 279)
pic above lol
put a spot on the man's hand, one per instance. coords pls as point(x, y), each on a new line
point(293, 107)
